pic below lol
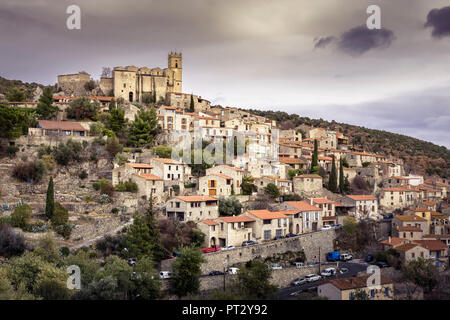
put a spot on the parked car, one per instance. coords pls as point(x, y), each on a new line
point(337, 226)
point(381, 264)
point(278, 237)
point(326, 228)
point(249, 243)
point(216, 273)
point(132, 262)
point(213, 248)
point(299, 282)
point(346, 257)
point(343, 270)
point(312, 264)
point(299, 264)
point(369, 258)
point(230, 247)
point(275, 266)
point(313, 277)
point(388, 216)
point(291, 235)
point(233, 270)
point(165, 275)
point(328, 272)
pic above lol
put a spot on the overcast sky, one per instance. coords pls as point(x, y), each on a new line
point(314, 58)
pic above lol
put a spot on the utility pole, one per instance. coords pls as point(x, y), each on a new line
point(319, 260)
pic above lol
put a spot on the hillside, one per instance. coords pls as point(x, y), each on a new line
point(420, 156)
point(28, 88)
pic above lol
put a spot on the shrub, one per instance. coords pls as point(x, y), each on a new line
point(108, 190)
point(190, 185)
point(21, 216)
point(64, 153)
point(11, 243)
point(128, 186)
point(120, 159)
point(83, 175)
point(11, 151)
point(100, 184)
point(115, 210)
point(49, 161)
point(31, 171)
point(64, 230)
point(60, 215)
point(64, 251)
point(97, 128)
point(90, 85)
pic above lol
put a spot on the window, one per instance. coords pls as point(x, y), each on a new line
point(372, 293)
point(267, 235)
point(352, 295)
point(386, 292)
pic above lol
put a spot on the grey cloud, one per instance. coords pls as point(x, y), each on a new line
point(439, 21)
point(359, 40)
point(323, 42)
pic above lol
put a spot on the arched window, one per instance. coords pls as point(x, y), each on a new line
point(131, 96)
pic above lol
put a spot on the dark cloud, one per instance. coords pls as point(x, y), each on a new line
point(439, 21)
point(359, 40)
point(323, 42)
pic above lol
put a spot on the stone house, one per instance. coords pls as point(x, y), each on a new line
point(58, 128)
point(397, 198)
point(436, 221)
point(284, 185)
point(309, 218)
point(192, 208)
point(267, 224)
point(227, 231)
point(215, 185)
point(308, 184)
point(411, 251)
point(170, 170)
point(438, 251)
point(236, 175)
point(124, 173)
point(293, 134)
point(293, 163)
point(346, 288)
point(173, 119)
point(364, 206)
point(409, 221)
point(149, 185)
point(328, 208)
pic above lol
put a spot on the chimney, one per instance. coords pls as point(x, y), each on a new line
point(390, 239)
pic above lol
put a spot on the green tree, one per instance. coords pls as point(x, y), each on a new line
point(50, 200)
point(272, 190)
point(113, 146)
point(332, 180)
point(346, 185)
point(137, 240)
point(116, 122)
point(315, 160)
point(254, 281)
point(60, 215)
point(143, 128)
point(360, 295)
point(154, 232)
point(191, 105)
point(15, 95)
point(341, 177)
point(229, 206)
point(45, 108)
point(82, 108)
point(12, 122)
point(21, 216)
point(147, 283)
point(120, 270)
point(422, 273)
point(162, 151)
point(186, 272)
point(247, 186)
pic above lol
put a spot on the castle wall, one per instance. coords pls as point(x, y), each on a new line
point(106, 85)
point(73, 83)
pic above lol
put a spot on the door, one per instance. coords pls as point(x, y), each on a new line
point(212, 192)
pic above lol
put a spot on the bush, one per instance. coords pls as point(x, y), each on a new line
point(126, 187)
point(11, 151)
point(60, 215)
point(100, 184)
point(49, 161)
point(120, 159)
point(108, 190)
point(64, 153)
point(115, 210)
point(11, 243)
point(64, 230)
point(190, 185)
point(29, 171)
point(64, 251)
point(20, 218)
point(89, 86)
point(97, 128)
point(83, 175)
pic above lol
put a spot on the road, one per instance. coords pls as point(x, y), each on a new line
point(353, 267)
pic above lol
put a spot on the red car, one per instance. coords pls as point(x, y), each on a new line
point(212, 249)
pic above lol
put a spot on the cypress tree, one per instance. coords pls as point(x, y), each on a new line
point(315, 159)
point(332, 181)
point(192, 107)
point(50, 201)
point(341, 177)
point(154, 233)
point(45, 108)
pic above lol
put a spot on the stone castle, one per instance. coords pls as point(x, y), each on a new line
point(132, 83)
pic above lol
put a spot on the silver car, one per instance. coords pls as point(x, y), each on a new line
point(313, 277)
point(299, 282)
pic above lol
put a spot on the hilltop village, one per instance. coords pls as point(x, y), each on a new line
point(282, 194)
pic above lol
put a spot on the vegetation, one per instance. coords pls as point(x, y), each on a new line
point(229, 206)
point(127, 186)
point(83, 108)
point(50, 200)
point(45, 108)
point(15, 95)
point(422, 273)
point(143, 128)
point(272, 190)
point(20, 218)
point(31, 171)
point(254, 281)
point(14, 122)
point(332, 180)
point(315, 160)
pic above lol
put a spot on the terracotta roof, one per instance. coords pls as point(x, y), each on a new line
point(267, 215)
point(356, 282)
point(437, 236)
point(148, 176)
point(303, 206)
point(432, 245)
point(361, 197)
point(394, 241)
point(409, 228)
point(61, 125)
point(230, 167)
point(429, 203)
point(290, 160)
point(314, 176)
point(166, 160)
point(410, 218)
point(221, 175)
point(209, 222)
point(322, 200)
point(237, 219)
point(399, 189)
point(406, 246)
point(139, 165)
point(290, 212)
point(195, 198)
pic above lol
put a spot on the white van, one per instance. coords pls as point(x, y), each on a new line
point(233, 270)
point(165, 275)
point(328, 272)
